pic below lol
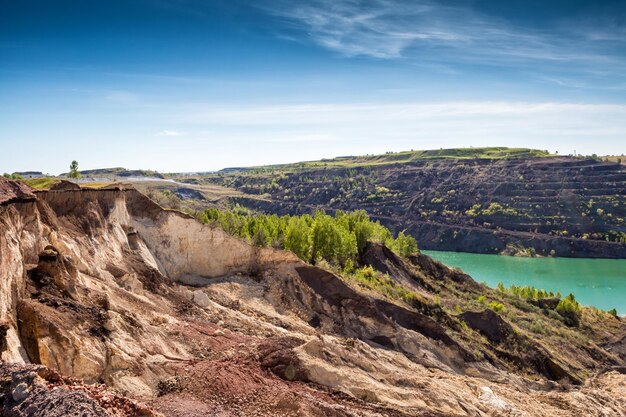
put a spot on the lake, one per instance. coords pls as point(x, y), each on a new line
point(597, 282)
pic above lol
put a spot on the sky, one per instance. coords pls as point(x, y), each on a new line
point(192, 85)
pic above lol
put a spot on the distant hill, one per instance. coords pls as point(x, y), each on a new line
point(485, 200)
point(401, 157)
point(30, 174)
point(117, 172)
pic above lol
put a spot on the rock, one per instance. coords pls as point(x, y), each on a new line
point(489, 323)
point(547, 303)
point(201, 299)
point(277, 355)
point(492, 400)
point(4, 328)
point(58, 267)
point(20, 392)
point(131, 283)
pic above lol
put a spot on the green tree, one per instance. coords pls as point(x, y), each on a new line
point(324, 237)
point(297, 238)
point(404, 245)
point(74, 173)
point(570, 310)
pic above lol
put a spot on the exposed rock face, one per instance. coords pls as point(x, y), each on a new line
point(106, 286)
point(490, 324)
point(34, 391)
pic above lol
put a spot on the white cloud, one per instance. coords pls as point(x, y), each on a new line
point(169, 133)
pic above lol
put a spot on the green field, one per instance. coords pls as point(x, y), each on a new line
point(42, 183)
point(404, 157)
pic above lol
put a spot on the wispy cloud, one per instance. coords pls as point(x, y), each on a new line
point(121, 97)
point(372, 113)
point(395, 126)
point(428, 31)
point(169, 133)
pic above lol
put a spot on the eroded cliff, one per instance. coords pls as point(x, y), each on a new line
point(107, 287)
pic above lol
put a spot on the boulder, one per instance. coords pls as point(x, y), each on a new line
point(201, 299)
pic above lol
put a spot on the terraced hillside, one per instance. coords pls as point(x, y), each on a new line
point(526, 204)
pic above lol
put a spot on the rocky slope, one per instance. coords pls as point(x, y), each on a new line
point(181, 319)
point(551, 206)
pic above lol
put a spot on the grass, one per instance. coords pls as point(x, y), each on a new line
point(95, 185)
point(404, 157)
point(47, 182)
point(42, 183)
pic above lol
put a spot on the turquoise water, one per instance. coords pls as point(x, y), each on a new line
point(597, 282)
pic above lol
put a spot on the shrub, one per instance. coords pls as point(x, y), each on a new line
point(496, 306)
point(570, 310)
point(613, 312)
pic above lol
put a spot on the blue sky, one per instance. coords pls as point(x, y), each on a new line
point(182, 85)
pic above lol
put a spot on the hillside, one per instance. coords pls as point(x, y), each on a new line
point(493, 200)
point(180, 318)
point(111, 173)
point(399, 157)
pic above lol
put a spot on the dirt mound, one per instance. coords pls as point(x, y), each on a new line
point(386, 261)
point(11, 190)
point(62, 185)
point(439, 271)
point(489, 323)
point(277, 355)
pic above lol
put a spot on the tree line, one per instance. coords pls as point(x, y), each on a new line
point(337, 239)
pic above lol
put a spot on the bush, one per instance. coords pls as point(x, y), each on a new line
point(496, 306)
point(570, 310)
point(613, 312)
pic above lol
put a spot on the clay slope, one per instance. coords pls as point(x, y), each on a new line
point(107, 287)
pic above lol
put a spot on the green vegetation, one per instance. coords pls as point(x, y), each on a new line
point(374, 280)
point(41, 183)
point(97, 184)
point(491, 210)
point(337, 240)
point(403, 157)
point(12, 176)
point(570, 310)
point(74, 173)
point(496, 306)
point(527, 292)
